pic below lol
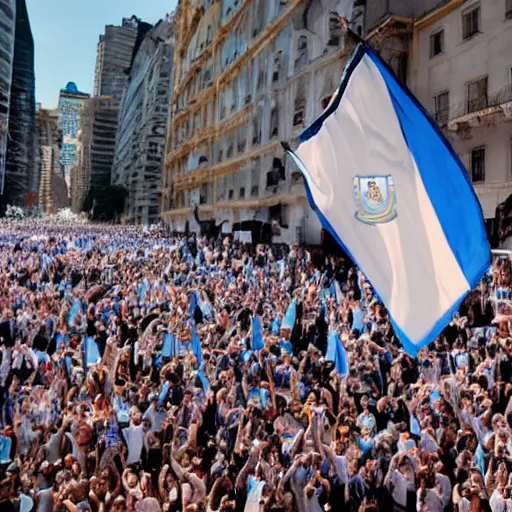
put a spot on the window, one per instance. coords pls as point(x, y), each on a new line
point(231, 193)
point(203, 194)
point(277, 66)
point(471, 23)
point(242, 192)
point(298, 118)
point(401, 70)
point(510, 173)
point(274, 123)
point(261, 80)
point(334, 30)
point(436, 43)
point(508, 9)
point(256, 127)
point(302, 57)
point(477, 95)
point(442, 107)
point(478, 165)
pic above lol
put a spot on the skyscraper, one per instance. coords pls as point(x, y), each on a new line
point(53, 191)
point(21, 176)
point(8, 17)
point(114, 58)
point(141, 136)
point(71, 102)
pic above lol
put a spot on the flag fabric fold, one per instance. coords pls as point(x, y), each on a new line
point(389, 187)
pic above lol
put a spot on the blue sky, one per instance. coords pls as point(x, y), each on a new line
point(66, 33)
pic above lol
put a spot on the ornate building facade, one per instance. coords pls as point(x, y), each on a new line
point(248, 75)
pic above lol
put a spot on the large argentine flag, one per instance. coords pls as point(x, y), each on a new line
point(388, 186)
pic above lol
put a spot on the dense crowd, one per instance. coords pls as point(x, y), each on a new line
point(153, 373)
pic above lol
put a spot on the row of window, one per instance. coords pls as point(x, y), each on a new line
point(471, 25)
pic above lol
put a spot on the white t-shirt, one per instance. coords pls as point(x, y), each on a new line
point(254, 493)
point(432, 501)
point(134, 436)
point(400, 487)
point(498, 503)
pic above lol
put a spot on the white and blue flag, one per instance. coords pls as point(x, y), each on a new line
point(389, 187)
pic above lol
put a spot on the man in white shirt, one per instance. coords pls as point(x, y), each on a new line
point(134, 437)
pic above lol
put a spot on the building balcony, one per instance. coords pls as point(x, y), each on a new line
point(237, 204)
point(491, 195)
point(474, 113)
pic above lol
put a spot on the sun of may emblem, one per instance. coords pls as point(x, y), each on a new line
point(375, 199)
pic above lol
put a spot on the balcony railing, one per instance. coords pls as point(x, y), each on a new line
point(484, 102)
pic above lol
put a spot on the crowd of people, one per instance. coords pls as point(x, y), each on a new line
point(143, 372)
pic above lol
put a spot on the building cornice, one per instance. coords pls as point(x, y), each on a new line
point(392, 19)
point(440, 12)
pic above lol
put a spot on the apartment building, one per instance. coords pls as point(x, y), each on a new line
point(463, 74)
point(247, 75)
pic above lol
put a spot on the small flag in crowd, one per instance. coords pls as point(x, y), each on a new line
point(257, 338)
point(414, 426)
point(163, 393)
point(75, 309)
point(336, 352)
point(289, 317)
point(169, 346)
point(196, 346)
point(386, 183)
point(275, 326)
point(92, 352)
point(197, 350)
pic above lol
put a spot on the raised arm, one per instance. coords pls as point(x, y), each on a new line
point(178, 470)
point(248, 467)
point(161, 482)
